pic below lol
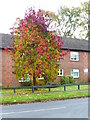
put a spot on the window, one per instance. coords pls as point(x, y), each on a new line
point(23, 54)
point(21, 80)
point(74, 56)
point(40, 78)
point(86, 70)
point(60, 72)
point(75, 73)
point(26, 80)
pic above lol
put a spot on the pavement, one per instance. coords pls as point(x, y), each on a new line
point(72, 108)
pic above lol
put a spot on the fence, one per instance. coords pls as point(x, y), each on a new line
point(51, 86)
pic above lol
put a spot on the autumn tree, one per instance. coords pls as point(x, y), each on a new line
point(72, 22)
point(36, 50)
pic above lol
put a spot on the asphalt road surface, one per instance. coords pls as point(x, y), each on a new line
point(73, 108)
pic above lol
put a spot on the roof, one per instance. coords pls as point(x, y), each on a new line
point(68, 43)
point(75, 44)
point(5, 40)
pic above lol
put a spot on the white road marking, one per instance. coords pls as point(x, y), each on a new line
point(36, 110)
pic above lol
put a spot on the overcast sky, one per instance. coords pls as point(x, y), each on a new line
point(11, 9)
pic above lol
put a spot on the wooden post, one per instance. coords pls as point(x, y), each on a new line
point(34, 79)
point(14, 90)
point(78, 87)
point(32, 90)
point(64, 88)
point(49, 89)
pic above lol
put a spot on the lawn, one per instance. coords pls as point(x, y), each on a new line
point(42, 97)
point(24, 91)
point(26, 95)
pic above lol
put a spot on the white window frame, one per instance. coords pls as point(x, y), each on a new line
point(72, 58)
point(26, 80)
point(59, 72)
point(40, 78)
point(86, 70)
point(21, 80)
point(75, 70)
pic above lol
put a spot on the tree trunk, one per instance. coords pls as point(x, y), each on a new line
point(34, 79)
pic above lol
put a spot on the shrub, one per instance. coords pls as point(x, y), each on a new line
point(27, 83)
point(62, 80)
point(51, 83)
point(66, 80)
point(41, 82)
point(71, 79)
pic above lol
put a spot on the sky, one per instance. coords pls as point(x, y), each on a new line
point(12, 9)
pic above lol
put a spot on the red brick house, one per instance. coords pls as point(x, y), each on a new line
point(75, 63)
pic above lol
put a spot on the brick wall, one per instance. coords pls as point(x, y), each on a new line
point(0, 66)
point(82, 64)
point(89, 67)
point(85, 60)
point(9, 79)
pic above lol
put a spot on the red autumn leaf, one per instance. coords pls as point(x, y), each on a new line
point(38, 72)
point(60, 57)
point(5, 49)
point(30, 73)
point(12, 32)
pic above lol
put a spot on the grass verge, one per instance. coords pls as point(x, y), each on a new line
point(13, 99)
point(24, 91)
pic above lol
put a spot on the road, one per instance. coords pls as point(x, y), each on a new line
point(73, 108)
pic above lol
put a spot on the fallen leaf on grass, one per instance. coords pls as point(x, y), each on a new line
point(14, 101)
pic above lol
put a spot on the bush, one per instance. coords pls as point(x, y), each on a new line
point(40, 82)
point(27, 83)
point(62, 80)
point(71, 79)
point(52, 83)
point(67, 80)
